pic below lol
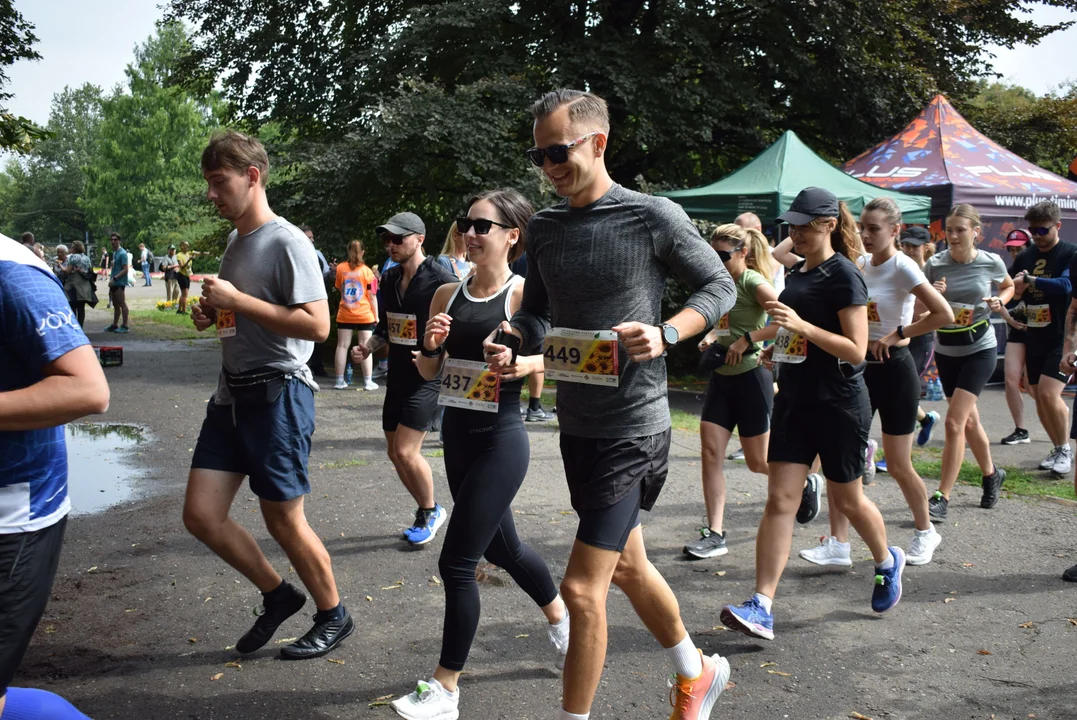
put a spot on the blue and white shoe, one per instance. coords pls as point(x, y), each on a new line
point(927, 425)
point(880, 465)
point(887, 590)
point(422, 534)
point(749, 618)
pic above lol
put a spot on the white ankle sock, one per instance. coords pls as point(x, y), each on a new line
point(566, 715)
point(843, 545)
point(451, 695)
point(686, 658)
point(888, 562)
point(925, 533)
point(763, 600)
point(340, 378)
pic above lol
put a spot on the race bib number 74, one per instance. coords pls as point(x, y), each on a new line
point(583, 356)
point(470, 385)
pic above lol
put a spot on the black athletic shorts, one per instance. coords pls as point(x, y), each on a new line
point(922, 349)
point(743, 401)
point(269, 443)
point(28, 563)
point(413, 407)
point(835, 430)
point(894, 391)
point(1044, 365)
point(367, 327)
point(1013, 335)
point(968, 372)
point(611, 480)
point(184, 281)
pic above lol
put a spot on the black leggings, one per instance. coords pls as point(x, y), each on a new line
point(486, 458)
point(79, 306)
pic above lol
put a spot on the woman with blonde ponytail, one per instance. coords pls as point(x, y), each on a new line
point(822, 406)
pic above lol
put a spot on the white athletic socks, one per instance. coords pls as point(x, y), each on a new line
point(686, 658)
point(888, 562)
point(566, 715)
point(763, 600)
point(925, 533)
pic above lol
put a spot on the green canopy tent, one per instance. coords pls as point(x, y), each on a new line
point(767, 185)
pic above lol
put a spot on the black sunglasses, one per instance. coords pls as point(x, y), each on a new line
point(1041, 231)
point(394, 239)
point(558, 154)
point(482, 225)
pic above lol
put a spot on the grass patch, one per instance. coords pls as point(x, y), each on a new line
point(166, 324)
point(687, 381)
point(336, 464)
point(435, 453)
point(1018, 480)
point(684, 421)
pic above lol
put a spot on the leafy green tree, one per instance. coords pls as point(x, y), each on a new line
point(143, 180)
point(16, 43)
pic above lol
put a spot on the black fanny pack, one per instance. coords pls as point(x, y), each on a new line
point(712, 358)
point(963, 336)
point(261, 386)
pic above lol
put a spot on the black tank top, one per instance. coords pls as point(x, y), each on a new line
point(473, 319)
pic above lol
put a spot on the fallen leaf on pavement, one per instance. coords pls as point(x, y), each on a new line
point(948, 600)
point(207, 600)
point(984, 652)
point(369, 599)
point(720, 573)
point(92, 569)
point(522, 635)
point(567, 512)
point(230, 647)
point(719, 627)
point(233, 664)
point(1072, 621)
point(434, 580)
point(966, 565)
point(192, 640)
point(858, 716)
point(1025, 625)
point(769, 664)
point(286, 640)
point(218, 676)
point(380, 701)
point(779, 672)
point(335, 661)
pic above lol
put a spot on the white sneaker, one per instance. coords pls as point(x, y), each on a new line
point(1063, 460)
point(828, 552)
point(370, 385)
point(923, 547)
point(1049, 461)
point(558, 635)
point(430, 701)
point(341, 385)
point(869, 461)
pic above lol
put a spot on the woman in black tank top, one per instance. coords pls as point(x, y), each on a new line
point(486, 445)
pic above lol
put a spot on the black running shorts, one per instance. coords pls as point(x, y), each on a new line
point(894, 391)
point(413, 407)
point(968, 372)
point(1044, 365)
point(835, 430)
point(740, 401)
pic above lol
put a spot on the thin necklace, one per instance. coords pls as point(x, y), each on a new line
point(488, 298)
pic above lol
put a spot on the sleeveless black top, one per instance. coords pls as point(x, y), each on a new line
point(473, 319)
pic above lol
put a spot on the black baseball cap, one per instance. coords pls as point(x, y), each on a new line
point(915, 235)
point(809, 204)
point(404, 223)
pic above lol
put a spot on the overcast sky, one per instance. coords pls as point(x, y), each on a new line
point(92, 41)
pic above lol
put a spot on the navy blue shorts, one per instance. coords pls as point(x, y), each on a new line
point(267, 443)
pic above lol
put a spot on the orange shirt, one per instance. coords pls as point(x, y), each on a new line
point(357, 288)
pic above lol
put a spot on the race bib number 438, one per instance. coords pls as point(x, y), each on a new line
point(790, 348)
point(470, 385)
point(403, 329)
point(583, 356)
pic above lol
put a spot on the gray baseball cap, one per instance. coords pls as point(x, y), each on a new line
point(404, 223)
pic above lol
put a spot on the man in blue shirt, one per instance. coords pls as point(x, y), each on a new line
point(49, 375)
point(117, 285)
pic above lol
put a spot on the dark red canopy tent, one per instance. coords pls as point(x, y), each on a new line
point(940, 155)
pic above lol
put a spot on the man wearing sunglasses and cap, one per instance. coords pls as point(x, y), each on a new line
point(597, 268)
point(410, 401)
point(1041, 276)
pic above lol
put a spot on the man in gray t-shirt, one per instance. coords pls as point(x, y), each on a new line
point(269, 306)
point(597, 268)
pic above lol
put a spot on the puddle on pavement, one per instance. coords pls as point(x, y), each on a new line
point(100, 464)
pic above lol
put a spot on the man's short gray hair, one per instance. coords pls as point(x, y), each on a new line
point(584, 108)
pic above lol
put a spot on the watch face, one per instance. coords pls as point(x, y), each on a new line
point(670, 334)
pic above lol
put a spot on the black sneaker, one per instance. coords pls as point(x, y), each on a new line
point(537, 415)
point(810, 500)
point(1019, 436)
point(287, 601)
point(937, 506)
point(991, 485)
point(320, 639)
point(1070, 575)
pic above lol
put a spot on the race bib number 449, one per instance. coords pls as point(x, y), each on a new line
point(403, 329)
point(470, 385)
point(583, 356)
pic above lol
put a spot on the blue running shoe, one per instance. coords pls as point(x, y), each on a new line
point(887, 590)
point(927, 425)
point(421, 535)
point(880, 465)
point(750, 618)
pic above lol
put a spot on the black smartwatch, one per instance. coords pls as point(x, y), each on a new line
point(670, 334)
point(901, 331)
point(748, 336)
point(436, 352)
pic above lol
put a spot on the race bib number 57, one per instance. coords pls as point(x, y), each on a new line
point(470, 385)
point(583, 356)
point(403, 329)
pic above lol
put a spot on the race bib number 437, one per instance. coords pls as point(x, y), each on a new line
point(583, 356)
point(403, 329)
point(470, 385)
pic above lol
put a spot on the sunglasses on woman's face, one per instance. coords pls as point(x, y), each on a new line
point(558, 154)
point(388, 238)
point(482, 225)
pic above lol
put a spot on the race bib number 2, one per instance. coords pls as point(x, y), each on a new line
point(790, 348)
point(403, 329)
point(583, 356)
point(470, 385)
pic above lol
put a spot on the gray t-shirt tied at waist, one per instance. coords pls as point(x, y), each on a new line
point(595, 267)
point(275, 263)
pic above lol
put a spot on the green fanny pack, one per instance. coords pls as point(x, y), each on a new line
point(965, 335)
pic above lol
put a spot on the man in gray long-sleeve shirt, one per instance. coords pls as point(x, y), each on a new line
point(597, 269)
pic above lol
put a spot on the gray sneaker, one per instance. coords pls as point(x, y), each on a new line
point(737, 454)
point(1063, 461)
point(538, 415)
point(710, 544)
